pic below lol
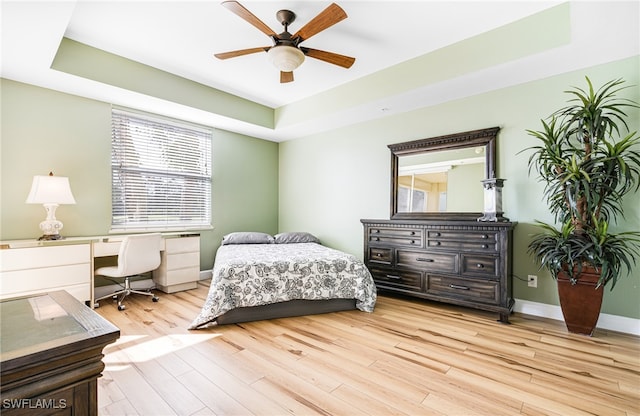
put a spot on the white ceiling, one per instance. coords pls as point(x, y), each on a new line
point(180, 37)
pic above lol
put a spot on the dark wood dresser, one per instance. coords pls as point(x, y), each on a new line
point(463, 262)
point(51, 355)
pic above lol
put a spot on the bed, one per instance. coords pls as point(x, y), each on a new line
point(257, 276)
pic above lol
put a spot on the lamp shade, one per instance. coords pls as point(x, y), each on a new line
point(50, 190)
point(285, 58)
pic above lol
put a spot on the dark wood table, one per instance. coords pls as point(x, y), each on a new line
point(51, 355)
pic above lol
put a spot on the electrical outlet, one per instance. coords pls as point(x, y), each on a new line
point(532, 280)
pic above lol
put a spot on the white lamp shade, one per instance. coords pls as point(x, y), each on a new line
point(50, 190)
point(285, 58)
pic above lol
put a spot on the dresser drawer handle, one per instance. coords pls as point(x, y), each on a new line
point(458, 287)
point(424, 259)
point(480, 266)
point(436, 243)
point(413, 233)
point(436, 234)
point(394, 277)
point(376, 231)
point(377, 238)
point(378, 254)
point(484, 236)
point(485, 246)
point(413, 241)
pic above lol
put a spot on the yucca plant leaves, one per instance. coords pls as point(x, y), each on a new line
point(587, 169)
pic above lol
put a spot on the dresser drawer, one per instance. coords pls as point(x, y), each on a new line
point(441, 262)
point(462, 235)
point(380, 255)
point(396, 241)
point(487, 246)
point(396, 236)
point(406, 280)
point(396, 232)
point(471, 241)
point(484, 266)
point(467, 289)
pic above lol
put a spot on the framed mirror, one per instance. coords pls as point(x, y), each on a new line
point(441, 177)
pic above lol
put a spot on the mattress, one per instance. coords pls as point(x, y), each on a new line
point(250, 275)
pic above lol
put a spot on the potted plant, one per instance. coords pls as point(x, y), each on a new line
point(588, 161)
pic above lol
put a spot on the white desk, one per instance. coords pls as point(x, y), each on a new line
point(29, 267)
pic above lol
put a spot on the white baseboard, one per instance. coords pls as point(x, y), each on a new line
point(605, 321)
point(206, 274)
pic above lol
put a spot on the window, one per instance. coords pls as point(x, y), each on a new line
point(160, 173)
point(411, 200)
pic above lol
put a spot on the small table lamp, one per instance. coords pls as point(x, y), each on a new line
point(50, 191)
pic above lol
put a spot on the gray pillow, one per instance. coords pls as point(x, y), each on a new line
point(296, 237)
point(250, 237)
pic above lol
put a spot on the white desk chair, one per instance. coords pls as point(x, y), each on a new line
point(138, 254)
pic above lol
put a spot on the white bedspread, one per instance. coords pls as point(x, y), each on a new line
point(258, 274)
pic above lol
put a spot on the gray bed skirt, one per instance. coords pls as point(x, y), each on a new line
point(285, 309)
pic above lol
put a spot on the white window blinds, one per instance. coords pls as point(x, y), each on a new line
point(161, 173)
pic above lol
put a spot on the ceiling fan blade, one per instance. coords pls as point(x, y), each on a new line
point(286, 77)
point(240, 52)
point(331, 57)
point(327, 18)
point(241, 11)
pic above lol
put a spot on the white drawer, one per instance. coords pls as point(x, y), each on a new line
point(39, 257)
point(43, 280)
point(111, 247)
point(175, 277)
point(106, 248)
point(182, 245)
point(80, 292)
point(180, 261)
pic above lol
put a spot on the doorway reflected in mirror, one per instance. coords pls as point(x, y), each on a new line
point(425, 181)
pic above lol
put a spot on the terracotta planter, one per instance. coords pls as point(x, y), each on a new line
point(581, 302)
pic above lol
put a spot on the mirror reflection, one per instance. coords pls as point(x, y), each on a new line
point(441, 181)
point(441, 177)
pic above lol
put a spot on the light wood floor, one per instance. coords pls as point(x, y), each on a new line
point(406, 358)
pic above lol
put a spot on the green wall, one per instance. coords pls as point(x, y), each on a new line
point(329, 181)
point(43, 130)
point(323, 183)
point(87, 62)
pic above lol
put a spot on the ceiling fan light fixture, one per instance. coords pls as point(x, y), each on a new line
point(285, 58)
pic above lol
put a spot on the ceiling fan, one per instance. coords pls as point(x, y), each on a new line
point(286, 53)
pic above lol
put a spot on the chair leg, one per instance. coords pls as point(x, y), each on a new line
point(126, 291)
point(123, 294)
point(147, 293)
point(113, 295)
point(120, 299)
